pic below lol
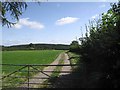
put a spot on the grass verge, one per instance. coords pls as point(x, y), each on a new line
point(74, 59)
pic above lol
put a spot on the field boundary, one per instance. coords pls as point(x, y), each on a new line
point(35, 69)
point(31, 81)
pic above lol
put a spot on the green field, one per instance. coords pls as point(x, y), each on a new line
point(25, 57)
point(29, 57)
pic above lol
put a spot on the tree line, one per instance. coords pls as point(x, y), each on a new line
point(36, 47)
point(100, 51)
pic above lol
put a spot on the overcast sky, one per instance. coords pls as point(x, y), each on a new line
point(52, 22)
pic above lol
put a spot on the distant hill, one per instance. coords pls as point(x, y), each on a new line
point(36, 47)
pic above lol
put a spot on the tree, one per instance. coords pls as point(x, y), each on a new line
point(14, 9)
point(74, 46)
point(100, 52)
point(31, 46)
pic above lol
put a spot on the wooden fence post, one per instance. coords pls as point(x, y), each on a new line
point(28, 75)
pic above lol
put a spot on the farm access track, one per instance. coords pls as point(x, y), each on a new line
point(33, 68)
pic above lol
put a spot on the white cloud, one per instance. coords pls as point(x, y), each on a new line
point(26, 22)
point(66, 20)
point(17, 26)
point(59, 41)
point(10, 42)
point(95, 16)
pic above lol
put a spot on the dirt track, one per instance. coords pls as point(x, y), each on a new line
point(49, 68)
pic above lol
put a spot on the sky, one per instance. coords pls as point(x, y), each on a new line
point(52, 22)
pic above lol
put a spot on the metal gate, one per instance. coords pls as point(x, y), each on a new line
point(22, 73)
